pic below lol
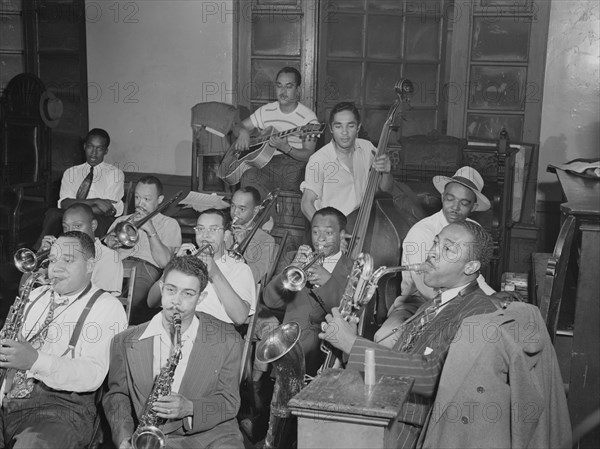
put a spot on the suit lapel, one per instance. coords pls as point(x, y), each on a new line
point(139, 354)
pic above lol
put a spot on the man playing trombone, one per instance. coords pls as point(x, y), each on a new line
point(245, 209)
point(158, 239)
point(323, 287)
point(231, 292)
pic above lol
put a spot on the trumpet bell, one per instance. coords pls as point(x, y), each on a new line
point(294, 278)
point(279, 342)
point(26, 261)
point(148, 437)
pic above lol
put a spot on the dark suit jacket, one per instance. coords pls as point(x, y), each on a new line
point(425, 361)
point(501, 386)
point(308, 307)
point(211, 380)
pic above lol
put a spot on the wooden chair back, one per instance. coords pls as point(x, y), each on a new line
point(554, 280)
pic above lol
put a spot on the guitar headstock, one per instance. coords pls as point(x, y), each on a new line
point(313, 130)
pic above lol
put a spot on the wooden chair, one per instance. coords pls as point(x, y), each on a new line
point(126, 298)
point(553, 285)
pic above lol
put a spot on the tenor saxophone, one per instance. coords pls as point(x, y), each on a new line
point(147, 435)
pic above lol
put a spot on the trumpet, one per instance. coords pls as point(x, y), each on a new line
point(127, 231)
point(295, 277)
point(27, 261)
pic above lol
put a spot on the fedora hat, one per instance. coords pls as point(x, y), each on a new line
point(470, 178)
point(51, 109)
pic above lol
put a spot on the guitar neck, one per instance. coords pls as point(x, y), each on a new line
point(263, 139)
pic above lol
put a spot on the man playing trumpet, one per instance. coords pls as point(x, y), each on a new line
point(159, 238)
point(203, 398)
point(324, 287)
point(231, 292)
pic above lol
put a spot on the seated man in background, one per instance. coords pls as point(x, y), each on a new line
point(61, 355)
point(461, 195)
point(286, 169)
point(337, 174)
point(231, 291)
point(201, 407)
point(260, 253)
point(325, 285)
point(459, 251)
point(95, 183)
point(159, 239)
point(108, 269)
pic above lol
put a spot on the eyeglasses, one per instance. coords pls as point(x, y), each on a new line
point(171, 290)
point(210, 230)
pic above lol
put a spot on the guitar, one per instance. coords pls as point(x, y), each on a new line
point(259, 152)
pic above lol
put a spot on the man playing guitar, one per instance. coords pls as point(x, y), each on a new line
point(286, 168)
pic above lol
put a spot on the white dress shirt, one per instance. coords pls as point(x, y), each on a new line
point(333, 182)
point(84, 369)
point(240, 277)
point(108, 183)
point(108, 269)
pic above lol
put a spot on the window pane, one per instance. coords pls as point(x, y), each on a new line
point(425, 81)
point(333, 5)
point(386, 5)
point(58, 34)
point(11, 32)
point(489, 126)
point(423, 38)
point(497, 87)
point(343, 82)
point(11, 5)
point(500, 39)
point(381, 79)
point(384, 37)
point(418, 122)
point(345, 36)
point(10, 65)
point(373, 123)
point(276, 34)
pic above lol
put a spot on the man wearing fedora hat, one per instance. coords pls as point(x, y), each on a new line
point(461, 195)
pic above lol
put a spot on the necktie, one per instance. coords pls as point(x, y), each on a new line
point(416, 327)
point(22, 386)
point(84, 188)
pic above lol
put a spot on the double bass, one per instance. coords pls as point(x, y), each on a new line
point(379, 227)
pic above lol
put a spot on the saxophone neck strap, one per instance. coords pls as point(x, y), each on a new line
point(78, 327)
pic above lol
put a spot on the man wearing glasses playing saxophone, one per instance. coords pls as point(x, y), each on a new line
point(198, 404)
point(231, 292)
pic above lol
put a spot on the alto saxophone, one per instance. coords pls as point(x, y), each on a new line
point(147, 435)
point(14, 320)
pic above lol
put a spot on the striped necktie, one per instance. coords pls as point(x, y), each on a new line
point(85, 186)
point(417, 326)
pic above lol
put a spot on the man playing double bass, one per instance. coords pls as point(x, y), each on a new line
point(337, 174)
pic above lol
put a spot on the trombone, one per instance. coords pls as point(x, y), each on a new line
point(127, 231)
point(238, 249)
point(295, 277)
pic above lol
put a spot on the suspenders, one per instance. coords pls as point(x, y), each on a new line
point(81, 321)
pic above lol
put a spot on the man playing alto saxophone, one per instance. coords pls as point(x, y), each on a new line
point(201, 409)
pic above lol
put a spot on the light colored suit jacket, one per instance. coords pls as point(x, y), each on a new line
point(500, 386)
point(210, 380)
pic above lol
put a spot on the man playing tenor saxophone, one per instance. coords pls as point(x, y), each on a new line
point(203, 399)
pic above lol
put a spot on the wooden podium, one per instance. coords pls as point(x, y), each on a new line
point(337, 410)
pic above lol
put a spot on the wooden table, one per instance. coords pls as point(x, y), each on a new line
point(337, 410)
point(583, 202)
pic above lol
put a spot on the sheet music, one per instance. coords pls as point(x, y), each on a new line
point(202, 201)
